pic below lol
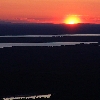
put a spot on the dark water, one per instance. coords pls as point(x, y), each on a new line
point(70, 71)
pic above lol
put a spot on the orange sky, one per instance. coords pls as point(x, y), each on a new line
point(50, 10)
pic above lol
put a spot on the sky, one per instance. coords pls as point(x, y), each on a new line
point(49, 10)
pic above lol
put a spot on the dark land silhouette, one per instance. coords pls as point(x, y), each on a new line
point(49, 39)
point(48, 29)
point(70, 71)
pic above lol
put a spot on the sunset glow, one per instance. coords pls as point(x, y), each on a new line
point(72, 20)
point(50, 11)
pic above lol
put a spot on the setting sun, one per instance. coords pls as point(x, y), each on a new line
point(72, 20)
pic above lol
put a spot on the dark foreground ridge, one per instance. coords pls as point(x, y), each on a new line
point(70, 72)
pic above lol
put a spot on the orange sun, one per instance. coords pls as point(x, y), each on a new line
point(72, 20)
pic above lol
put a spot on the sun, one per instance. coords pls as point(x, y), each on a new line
point(72, 20)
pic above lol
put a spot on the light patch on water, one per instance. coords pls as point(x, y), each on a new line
point(2, 45)
point(29, 97)
point(51, 35)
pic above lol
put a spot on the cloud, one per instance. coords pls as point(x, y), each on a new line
point(29, 20)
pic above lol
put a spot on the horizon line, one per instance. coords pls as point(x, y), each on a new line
point(9, 22)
